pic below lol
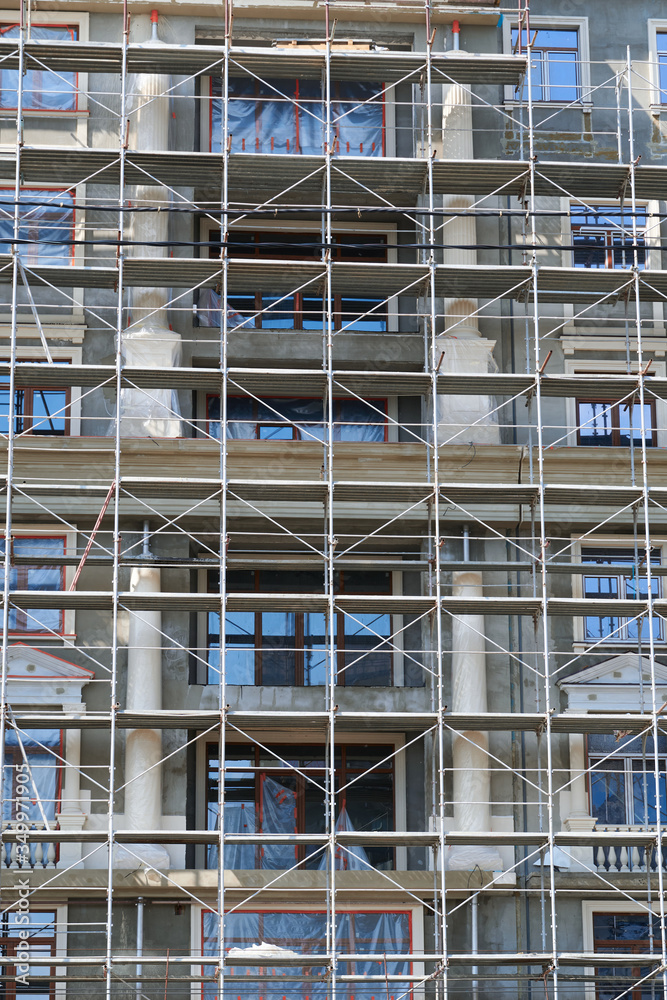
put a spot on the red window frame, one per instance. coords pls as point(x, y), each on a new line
point(379, 403)
point(74, 34)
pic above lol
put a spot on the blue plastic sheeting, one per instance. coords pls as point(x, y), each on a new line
point(288, 116)
point(301, 419)
point(40, 777)
point(36, 578)
point(42, 90)
point(302, 933)
point(46, 225)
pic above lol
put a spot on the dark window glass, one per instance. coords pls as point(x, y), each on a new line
point(603, 238)
point(626, 580)
point(42, 90)
point(36, 577)
point(554, 63)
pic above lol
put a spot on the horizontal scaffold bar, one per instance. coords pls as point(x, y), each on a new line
point(288, 63)
point(344, 721)
point(271, 277)
point(313, 382)
point(264, 175)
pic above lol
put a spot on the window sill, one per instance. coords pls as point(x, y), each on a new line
point(56, 115)
point(585, 106)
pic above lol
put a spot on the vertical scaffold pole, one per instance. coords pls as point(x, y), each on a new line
point(113, 705)
point(435, 481)
point(11, 405)
point(222, 555)
point(655, 701)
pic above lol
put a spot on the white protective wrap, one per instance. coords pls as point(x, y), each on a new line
point(150, 412)
point(466, 419)
point(149, 341)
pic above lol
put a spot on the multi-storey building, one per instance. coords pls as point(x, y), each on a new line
point(334, 657)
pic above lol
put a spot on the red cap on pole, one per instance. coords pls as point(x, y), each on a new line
point(154, 16)
point(456, 28)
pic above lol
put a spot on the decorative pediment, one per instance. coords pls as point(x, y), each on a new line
point(35, 677)
point(25, 662)
point(614, 684)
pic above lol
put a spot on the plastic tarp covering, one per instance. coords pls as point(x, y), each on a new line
point(36, 578)
point(286, 932)
point(278, 418)
point(287, 116)
point(240, 817)
point(208, 312)
point(42, 90)
point(150, 412)
point(359, 126)
point(466, 419)
point(46, 228)
point(278, 816)
point(41, 780)
point(350, 858)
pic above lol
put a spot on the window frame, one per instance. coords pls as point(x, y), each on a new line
point(47, 19)
point(604, 367)
point(296, 434)
point(388, 98)
point(414, 911)
point(28, 414)
point(394, 650)
point(75, 229)
point(67, 618)
point(658, 97)
point(279, 738)
point(209, 228)
point(284, 750)
point(614, 645)
point(579, 24)
point(608, 229)
point(591, 907)
point(10, 943)
point(628, 758)
point(613, 406)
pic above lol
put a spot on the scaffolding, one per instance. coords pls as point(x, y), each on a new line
point(254, 326)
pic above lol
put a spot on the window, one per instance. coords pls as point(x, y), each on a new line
point(32, 784)
point(622, 786)
point(611, 424)
point(299, 311)
point(30, 573)
point(287, 116)
point(603, 237)
point(282, 419)
point(555, 63)
point(41, 940)
point(661, 39)
point(373, 932)
point(288, 648)
point(42, 90)
point(36, 411)
point(620, 576)
point(46, 227)
point(630, 933)
point(264, 795)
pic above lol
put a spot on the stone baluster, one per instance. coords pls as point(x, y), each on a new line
point(622, 856)
point(599, 858)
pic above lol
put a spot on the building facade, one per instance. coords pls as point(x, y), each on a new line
point(334, 655)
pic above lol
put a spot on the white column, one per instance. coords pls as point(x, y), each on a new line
point(579, 819)
point(149, 342)
point(472, 779)
point(143, 748)
point(71, 815)
point(463, 419)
